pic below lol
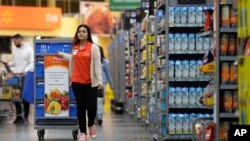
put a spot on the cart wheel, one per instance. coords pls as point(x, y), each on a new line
point(40, 134)
point(75, 133)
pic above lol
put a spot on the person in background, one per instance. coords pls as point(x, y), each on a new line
point(22, 62)
point(106, 79)
point(86, 78)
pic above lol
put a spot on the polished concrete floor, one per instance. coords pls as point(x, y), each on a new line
point(115, 128)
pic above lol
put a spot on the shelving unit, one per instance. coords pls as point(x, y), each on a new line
point(185, 48)
point(226, 70)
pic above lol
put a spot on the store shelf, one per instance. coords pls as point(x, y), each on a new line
point(228, 58)
point(186, 52)
point(178, 138)
point(228, 86)
point(185, 28)
point(190, 107)
point(228, 30)
point(228, 115)
point(129, 86)
point(206, 33)
point(161, 57)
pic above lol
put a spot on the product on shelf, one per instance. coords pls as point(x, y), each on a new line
point(225, 16)
point(225, 73)
point(233, 73)
point(224, 44)
point(208, 24)
point(232, 45)
point(235, 101)
point(228, 101)
point(208, 95)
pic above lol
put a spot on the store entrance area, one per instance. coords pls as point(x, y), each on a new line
point(114, 128)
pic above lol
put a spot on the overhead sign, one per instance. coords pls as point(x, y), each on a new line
point(19, 17)
point(121, 5)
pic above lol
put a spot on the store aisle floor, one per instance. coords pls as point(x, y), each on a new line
point(115, 128)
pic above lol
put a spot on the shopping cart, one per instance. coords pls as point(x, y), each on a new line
point(11, 91)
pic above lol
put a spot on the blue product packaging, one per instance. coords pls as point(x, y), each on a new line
point(172, 123)
point(177, 42)
point(206, 44)
point(172, 96)
point(178, 96)
point(199, 15)
point(192, 96)
point(171, 42)
point(186, 123)
point(185, 96)
point(184, 42)
point(199, 43)
point(177, 15)
point(179, 123)
point(193, 117)
point(199, 74)
point(193, 69)
point(171, 16)
point(199, 94)
point(191, 42)
point(171, 69)
point(184, 15)
point(185, 69)
point(191, 15)
point(178, 69)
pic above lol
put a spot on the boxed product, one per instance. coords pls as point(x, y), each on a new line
point(178, 96)
point(186, 123)
point(185, 96)
point(171, 16)
point(199, 15)
point(206, 44)
point(192, 95)
point(192, 69)
point(191, 42)
point(185, 68)
point(184, 15)
point(228, 101)
point(178, 69)
point(172, 95)
point(172, 123)
point(171, 69)
point(199, 94)
point(199, 73)
point(199, 43)
point(177, 15)
point(184, 42)
point(191, 15)
point(171, 42)
point(193, 117)
point(179, 123)
point(177, 42)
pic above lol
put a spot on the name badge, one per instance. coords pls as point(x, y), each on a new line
point(75, 52)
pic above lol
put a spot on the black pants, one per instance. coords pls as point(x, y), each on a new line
point(26, 108)
point(26, 105)
point(86, 99)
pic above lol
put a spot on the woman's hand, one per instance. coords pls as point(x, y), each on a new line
point(59, 53)
point(99, 86)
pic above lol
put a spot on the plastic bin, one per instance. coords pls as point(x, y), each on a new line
point(39, 70)
point(71, 94)
point(40, 92)
point(73, 110)
point(39, 110)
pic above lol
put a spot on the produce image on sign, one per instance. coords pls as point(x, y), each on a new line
point(56, 98)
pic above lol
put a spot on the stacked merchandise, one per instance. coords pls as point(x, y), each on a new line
point(185, 85)
point(227, 71)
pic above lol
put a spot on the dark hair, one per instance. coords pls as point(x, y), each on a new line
point(76, 40)
point(17, 36)
point(102, 53)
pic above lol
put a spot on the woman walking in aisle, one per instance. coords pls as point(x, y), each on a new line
point(106, 79)
point(86, 78)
